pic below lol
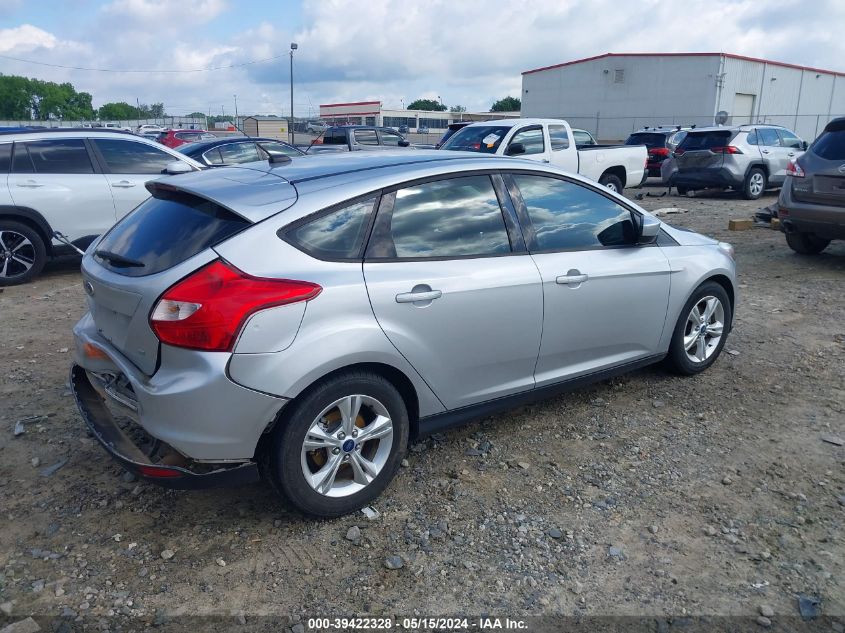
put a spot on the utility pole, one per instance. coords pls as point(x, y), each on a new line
point(138, 111)
point(293, 47)
point(236, 112)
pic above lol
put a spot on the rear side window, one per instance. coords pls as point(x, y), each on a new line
point(706, 140)
point(334, 137)
point(165, 231)
point(129, 157)
point(336, 235)
point(830, 145)
point(5, 157)
point(59, 156)
point(558, 137)
point(570, 216)
point(235, 153)
point(458, 217)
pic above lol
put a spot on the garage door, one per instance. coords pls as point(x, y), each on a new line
point(743, 109)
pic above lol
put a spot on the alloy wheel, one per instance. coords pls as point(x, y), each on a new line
point(755, 184)
point(347, 446)
point(17, 254)
point(703, 329)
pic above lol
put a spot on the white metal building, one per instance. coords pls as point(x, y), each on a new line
point(613, 94)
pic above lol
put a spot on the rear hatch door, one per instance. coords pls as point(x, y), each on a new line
point(165, 239)
point(695, 151)
point(824, 166)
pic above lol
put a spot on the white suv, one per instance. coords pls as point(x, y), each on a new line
point(76, 182)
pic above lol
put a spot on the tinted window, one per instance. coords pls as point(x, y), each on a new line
point(649, 139)
point(676, 138)
point(830, 145)
point(5, 157)
point(65, 156)
point(532, 139)
point(390, 138)
point(559, 138)
point(570, 216)
point(234, 153)
point(448, 218)
point(21, 163)
point(194, 136)
point(128, 157)
point(485, 139)
point(366, 137)
point(336, 235)
point(788, 139)
point(334, 137)
point(278, 148)
point(705, 140)
point(166, 230)
point(767, 136)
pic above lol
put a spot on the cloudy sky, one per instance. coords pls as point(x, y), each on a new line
point(468, 52)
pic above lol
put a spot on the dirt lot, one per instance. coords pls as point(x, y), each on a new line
point(648, 495)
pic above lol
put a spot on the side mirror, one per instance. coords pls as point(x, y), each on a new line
point(804, 145)
point(177, 167)
point(515, 149)
point(649, 229)
point(404, 143)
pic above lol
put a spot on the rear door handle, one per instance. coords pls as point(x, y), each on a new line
point(413, 297)
point(123, 184)
point(571, 279)
point(30, 183)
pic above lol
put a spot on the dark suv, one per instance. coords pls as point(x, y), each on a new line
point(660, 142)
point(811, 206)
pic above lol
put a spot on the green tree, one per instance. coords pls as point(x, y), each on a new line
point(118, 110)
point(457, 108)
point(25, 98)
point(427, 104)
point(15, 97)
point(508, 104)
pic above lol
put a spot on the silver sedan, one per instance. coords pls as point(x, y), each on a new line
point(302, 320)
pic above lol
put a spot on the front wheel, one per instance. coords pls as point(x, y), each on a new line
point(338, 447)
point(701, 330)
point(611, 182)
point(22, 253)
point(682, 191)
point(806, 243)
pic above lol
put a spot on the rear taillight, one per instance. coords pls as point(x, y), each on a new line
point(659, 151)
point(207, 310)
point(794, 169)
point(727, 149)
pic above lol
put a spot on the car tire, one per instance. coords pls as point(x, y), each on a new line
point(611, 182)
point(358, 471)
point(806, 243)
point(689, 352)
point(22, 253)
point(755, 184)
point(682, 191)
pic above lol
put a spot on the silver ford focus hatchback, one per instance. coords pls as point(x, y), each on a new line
point(302, 320)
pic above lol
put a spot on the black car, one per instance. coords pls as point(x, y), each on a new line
point(231, 151)
point(450, 130)
point(660, 142)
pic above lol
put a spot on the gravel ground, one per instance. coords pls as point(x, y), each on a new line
point(646, 495)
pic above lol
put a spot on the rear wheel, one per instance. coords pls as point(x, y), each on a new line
point(339, 446)
point(682, 191)
point(611, 182)
point(755, 184)
point(806, 243)
point(22, 253)
point(701, 330)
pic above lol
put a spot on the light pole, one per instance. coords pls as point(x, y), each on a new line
point(236, 112)
point(293, 47)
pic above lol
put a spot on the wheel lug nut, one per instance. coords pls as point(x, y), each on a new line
point(341, 435)
point(335, 451)
point(354, 433)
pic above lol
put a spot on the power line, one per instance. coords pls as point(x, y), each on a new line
point(119, 70)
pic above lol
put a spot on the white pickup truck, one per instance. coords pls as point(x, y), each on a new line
point(551, 141)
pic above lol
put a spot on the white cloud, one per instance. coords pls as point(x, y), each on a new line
point(25, 38)
point(166, 11)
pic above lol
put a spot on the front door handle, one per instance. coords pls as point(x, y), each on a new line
point(791, 154)
point(123, 184)
point(765, 151)
point(572, 278)
point(30, 183)
point(413, 297)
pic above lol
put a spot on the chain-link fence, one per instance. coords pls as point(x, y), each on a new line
point(617, 128)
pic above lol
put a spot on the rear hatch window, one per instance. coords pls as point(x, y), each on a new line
point(831, 144)
point(164, 231)
point(705, 140)
point(649, 139)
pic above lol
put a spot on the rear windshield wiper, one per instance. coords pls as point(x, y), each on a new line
point(119, 260)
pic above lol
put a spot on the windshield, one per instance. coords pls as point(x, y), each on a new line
point(649, 139)
point(485, 139)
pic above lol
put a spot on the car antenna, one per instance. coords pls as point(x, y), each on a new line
point(317, 139)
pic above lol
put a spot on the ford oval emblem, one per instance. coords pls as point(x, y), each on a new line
point(842, 169)
point(89, 288)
